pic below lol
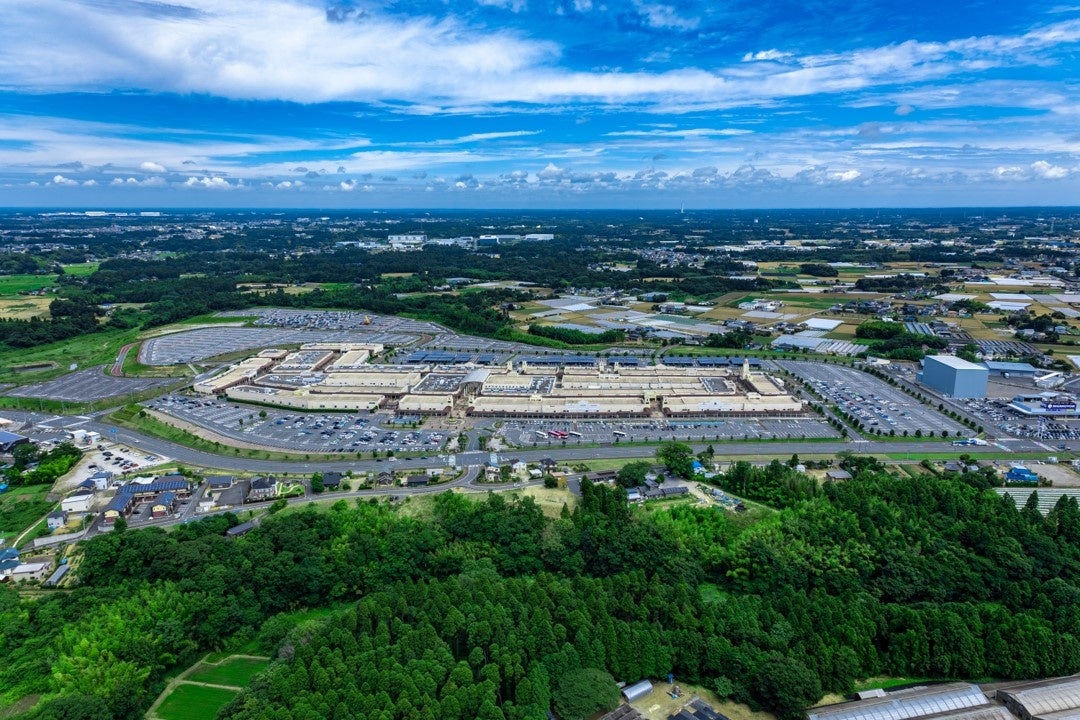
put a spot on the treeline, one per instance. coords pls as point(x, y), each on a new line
point(489, 609)
point(31, 466)
point(892, 340)
point(570, 336)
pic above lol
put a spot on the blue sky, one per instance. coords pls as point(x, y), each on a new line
point(539, 103)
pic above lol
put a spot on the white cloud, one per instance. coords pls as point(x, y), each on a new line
point(89, 183)
point(690, 132)
point(766, 56)
point(151, 167)
point(61, 180)
point(210, 183)
point(1047, 171)
point(847, 175)
point(291, 50)
point(665, 16)
point(511, 5)
point(347, 185)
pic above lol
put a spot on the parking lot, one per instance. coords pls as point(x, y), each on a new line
point(86, 386)
point(529, 433)
point(874, 402)
point(316, 432)
point(998, 413)
point(203, 343)
point(337, 320)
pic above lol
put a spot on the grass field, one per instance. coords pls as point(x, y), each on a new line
point(85, 351)
point(232, 671)
point(194, 702)
point(21, 507)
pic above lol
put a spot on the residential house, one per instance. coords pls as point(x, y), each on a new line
point(384, 477)
point(262, 488)
point(416, 481)
point(30, 572)
point(101, 480)
point(56, 519)
point(9, 560)
point(78, 501)
point(142, 490)
point(331, 480)
point(120, 506)
point(519, 467)
point(165, 504)
point(219, 482)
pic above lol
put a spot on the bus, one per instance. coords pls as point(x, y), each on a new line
point(571, 433)
point(618, 433)
point(560, 434)
point(541, 434)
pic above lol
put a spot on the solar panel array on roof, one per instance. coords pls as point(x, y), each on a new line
point(906, 704)
point(678, 361)
point(438, 357)
point(713, 361)
point(626, 361)
point(154, 487)
point(485, 359)
point(560, 360)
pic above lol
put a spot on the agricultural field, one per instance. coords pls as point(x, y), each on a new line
point(24, 307)
point(203, 689)
point(193, 702)
point(236, 671)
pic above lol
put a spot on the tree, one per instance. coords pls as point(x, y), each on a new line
point(317, 483)
point(585, 692)
point(785, 686)
point(633, 474)
point(677, 457)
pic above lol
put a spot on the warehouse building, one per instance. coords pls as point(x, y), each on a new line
point(954, 376)
point(999, 368)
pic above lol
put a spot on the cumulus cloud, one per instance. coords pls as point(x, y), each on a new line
point(61, 180)
point(1047, 171)
point(904, 110)
point(152, 167)
point(209, 183)
point(347, 185)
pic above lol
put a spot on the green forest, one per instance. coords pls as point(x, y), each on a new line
point(485, 608)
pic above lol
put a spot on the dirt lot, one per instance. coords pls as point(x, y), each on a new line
point(658, 705)
point(1062, 476)
point(551, 500)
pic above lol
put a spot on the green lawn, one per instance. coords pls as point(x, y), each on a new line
point(236, 671)
point(194, 702)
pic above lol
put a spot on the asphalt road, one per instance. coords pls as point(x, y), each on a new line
point(189, 456)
